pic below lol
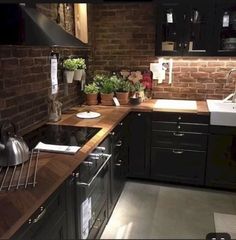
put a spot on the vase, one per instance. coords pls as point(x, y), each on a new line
point(123, 97)
point(69, 75)
point(78, 74)
point(91, 99)
point(107, 99)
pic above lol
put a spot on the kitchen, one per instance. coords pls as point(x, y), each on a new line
point(120, 36)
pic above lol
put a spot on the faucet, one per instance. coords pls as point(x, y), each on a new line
point(233, 95)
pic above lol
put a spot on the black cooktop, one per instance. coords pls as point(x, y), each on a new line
point(60, 135)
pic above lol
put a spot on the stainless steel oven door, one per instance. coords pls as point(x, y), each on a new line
point(91, 197)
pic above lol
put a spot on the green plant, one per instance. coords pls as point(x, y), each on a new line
point(99, 79)
point(107, 86)
point(69, 64)
point(80, 62)
point(137, 87)
point(123, 86)
point(91, 88)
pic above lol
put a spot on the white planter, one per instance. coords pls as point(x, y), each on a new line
point(69, 75)
point(78, 74)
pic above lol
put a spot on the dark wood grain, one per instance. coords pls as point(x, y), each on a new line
point(16, 207)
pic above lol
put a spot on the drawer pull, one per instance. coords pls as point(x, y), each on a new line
point(39, 216)
point(121, 123)
point(118, 164)
point(139, 114)
point(178, 134)
point(179, 118)
point(177, 151)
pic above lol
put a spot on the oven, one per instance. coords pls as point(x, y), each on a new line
point(92, 185)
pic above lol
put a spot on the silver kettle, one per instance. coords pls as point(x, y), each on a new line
point(13, 149)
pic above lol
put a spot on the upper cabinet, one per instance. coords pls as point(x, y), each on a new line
point(196, 28)
point(225, 27)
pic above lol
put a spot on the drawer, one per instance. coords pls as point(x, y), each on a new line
point(182, 140)
point(175, 126)
point(180, 117)
point(178, 166)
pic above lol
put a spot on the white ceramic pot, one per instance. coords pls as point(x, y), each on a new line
point(69, 75)
point(78, 74)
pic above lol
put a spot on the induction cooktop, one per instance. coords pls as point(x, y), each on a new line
point(60, 135)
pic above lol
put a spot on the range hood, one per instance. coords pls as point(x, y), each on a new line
point(34, 28)
point(40, 30)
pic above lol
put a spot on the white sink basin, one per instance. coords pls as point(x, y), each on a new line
point(222, 113)
point(175, 104)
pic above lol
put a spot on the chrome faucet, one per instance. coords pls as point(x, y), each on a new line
point(233, 95)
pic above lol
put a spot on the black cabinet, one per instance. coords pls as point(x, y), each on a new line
point(221, 160)
point(179, 146)
point(119, 147)
point(225, 28)
point(48, 222)
point(139, 144)
point(70, 206)
point(184, 27)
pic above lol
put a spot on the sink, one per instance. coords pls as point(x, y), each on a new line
point(175, 104)
point(222, 113)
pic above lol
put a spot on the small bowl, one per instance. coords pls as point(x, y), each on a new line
point(135, 100)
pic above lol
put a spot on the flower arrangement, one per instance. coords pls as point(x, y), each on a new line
point(139, 81)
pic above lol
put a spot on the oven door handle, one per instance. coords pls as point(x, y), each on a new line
point(108, 156)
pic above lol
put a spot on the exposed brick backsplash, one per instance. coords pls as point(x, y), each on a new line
point(123, 36)
point(25, 84)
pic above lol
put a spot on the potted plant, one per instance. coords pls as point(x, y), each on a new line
point(107, 91)
point(91, 90)
point(137, 90)
point(69, 66)
point(80, 70)
point(122, 91)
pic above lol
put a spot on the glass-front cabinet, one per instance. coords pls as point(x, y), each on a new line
point(183, 27)
point(226, 27)
point(196, 28)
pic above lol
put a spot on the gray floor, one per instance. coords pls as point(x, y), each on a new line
point(148, 210)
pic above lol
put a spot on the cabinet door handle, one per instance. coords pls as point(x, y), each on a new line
point(121, 123)
point(177, 151)
point(119, 144)
point(112, 133)
point(40, 216)
point(139, 114)
point(118, 164)
point(178, 134)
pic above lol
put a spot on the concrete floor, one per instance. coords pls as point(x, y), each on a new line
point(149, 210)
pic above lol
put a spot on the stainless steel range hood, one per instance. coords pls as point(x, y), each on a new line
point(40, 30)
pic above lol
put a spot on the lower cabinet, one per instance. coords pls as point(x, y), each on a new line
point(48, 222)
point(179, 147)
point(181, 166)
point(221, 160)
point(139, 145)
point(119, 161)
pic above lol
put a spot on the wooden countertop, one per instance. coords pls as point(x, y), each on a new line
point(16, 207)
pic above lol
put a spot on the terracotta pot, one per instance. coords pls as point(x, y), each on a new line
point(69, 75)
point(107, 99)
point(78, 74)
point(123, 97)
point(91, 98)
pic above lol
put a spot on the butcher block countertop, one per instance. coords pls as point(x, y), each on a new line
point(16, 207)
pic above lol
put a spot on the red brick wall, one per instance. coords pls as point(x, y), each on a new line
point(123, 36)
point(25, 81)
